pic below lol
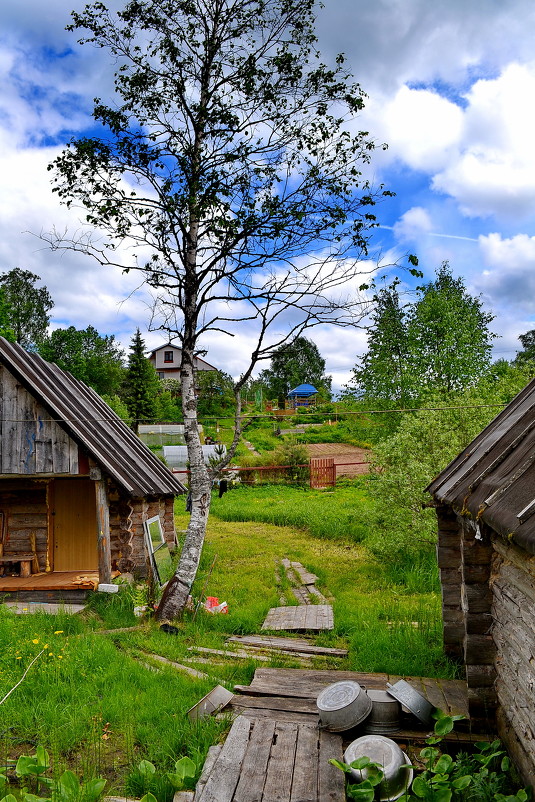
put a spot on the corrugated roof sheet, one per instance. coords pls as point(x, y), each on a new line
point(91, 423)
point(493, 479)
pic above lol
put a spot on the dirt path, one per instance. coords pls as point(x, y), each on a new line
point(342, 454)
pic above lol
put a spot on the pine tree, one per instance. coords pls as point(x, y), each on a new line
point(141, 385)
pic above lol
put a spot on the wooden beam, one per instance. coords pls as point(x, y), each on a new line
point(103, 532)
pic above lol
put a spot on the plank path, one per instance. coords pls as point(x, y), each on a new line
point(265, 760)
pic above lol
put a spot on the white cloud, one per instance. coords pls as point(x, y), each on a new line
point(509, 277)
point(494, 173)
point(412, 224)
point(420, 127)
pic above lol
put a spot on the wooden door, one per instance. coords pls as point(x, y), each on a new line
point(75, 525)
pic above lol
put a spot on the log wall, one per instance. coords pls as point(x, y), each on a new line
point(488, 602)
point(464, 559)
point(127, 516)
point(513, 610)
point(30, 442)
point(25, 513)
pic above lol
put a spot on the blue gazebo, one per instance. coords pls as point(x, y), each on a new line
point(304, 395)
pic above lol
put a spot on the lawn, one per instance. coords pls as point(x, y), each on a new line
point(99, 702)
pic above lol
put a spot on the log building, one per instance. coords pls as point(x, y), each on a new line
point(76, 484)
point(485, 504)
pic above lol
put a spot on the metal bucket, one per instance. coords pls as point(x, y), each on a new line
point(412, 700)
point(343, 705)
point(388, 755)
point(385, 713)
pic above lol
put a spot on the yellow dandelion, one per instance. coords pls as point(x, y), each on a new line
point(19, 658)
point(60, 657)
point(35, 640)
point(58, 632)
point(51, 654)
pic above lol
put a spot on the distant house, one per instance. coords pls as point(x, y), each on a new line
point(166, 360)
point(485, 504)
point(76, 484)
point(304, 395)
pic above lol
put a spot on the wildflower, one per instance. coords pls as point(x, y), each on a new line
point(58, 632)
point(51, 654)
point(35, 640)
point(19, 658)
point(60, 657)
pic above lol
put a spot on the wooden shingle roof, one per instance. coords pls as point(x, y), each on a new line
point(493, 479)
point(91, 423)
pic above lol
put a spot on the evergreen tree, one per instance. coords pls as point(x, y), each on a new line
point(141, 386)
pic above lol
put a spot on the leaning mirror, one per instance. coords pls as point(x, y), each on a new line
point(158, 550)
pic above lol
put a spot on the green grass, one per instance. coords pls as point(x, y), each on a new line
point(342, 513)
point(87, 684)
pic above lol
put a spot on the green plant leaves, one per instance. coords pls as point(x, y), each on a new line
point(184, 767)
point(363, 792)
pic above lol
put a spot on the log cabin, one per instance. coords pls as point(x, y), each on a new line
point(76, 484)
point(485, 505)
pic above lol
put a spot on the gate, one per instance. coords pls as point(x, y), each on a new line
point(322, 473)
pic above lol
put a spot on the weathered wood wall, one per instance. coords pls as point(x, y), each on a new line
point(25, 508)
point(488, 602)
point(30, 442)
point(513, 610)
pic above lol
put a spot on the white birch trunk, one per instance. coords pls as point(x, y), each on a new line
point(178, 589)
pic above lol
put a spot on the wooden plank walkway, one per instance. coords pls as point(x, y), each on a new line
point(290, 695)
point(290, 645)
point(269, 760)
point(311, 617)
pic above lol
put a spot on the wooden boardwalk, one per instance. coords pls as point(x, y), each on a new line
point(275, 751)
point(290, 695)
point(267, 760)
point(304, 617)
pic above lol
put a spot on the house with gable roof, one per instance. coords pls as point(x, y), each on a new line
point(76, 483)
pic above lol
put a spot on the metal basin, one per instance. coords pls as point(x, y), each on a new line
point(343, 705)
point(389, 757)
point(385, 713)
point(412, 700)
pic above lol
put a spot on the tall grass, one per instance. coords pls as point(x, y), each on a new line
point(343, 513)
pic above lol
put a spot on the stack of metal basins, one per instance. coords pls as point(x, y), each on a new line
point(346, 704)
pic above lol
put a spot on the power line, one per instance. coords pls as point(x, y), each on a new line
point(255, 416)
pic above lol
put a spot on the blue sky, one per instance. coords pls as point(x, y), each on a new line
point(451, 89)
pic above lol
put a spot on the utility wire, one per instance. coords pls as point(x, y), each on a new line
point(252, 416)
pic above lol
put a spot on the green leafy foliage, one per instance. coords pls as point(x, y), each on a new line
point(406, 462)
point(94, 359)
point(438, 344)
point(26, 306)
point(298, 362)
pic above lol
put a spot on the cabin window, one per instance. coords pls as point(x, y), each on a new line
point(167, 356)
point(161, 374)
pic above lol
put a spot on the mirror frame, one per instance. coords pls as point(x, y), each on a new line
point(151, 549)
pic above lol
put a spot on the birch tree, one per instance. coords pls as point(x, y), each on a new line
point(231, 161)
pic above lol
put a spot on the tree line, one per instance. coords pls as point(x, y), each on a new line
point(129, 382)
